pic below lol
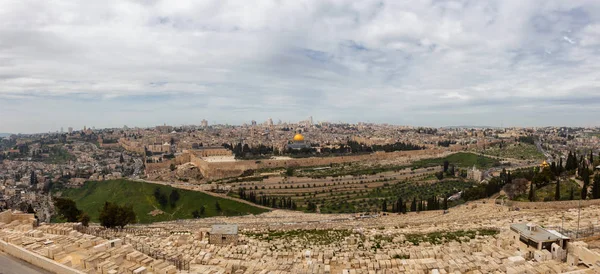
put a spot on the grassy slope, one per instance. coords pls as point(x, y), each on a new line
point(460, 159)
point(92, 196)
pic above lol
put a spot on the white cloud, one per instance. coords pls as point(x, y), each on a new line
point(281, 59)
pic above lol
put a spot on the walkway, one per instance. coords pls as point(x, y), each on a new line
point(12, 265)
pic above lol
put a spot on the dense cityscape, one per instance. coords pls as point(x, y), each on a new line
point(348, 198)
point(299, 137)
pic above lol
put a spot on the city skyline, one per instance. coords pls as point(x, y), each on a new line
point(436, 63)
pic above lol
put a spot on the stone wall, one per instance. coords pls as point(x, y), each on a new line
point(218, 170)
point(553, 205)
point(222, 239)
point(35, 259)
point(7, 217)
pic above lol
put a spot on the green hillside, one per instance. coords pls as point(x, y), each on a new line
point(92, 195)
point(460, 159)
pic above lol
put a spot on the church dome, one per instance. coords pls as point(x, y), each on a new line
point(298, 137)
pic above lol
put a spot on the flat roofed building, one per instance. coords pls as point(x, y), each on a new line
point(223, 234)
point(530, 237)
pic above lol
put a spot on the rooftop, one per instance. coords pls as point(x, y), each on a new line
point(538, 234)
point(224, 229)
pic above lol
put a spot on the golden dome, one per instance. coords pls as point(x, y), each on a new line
point(298, 137)
point(545, 164)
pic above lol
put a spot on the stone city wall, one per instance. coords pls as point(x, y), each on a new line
point(35, 259)
point(218, 170)
point(131, 146)
point(178, 160)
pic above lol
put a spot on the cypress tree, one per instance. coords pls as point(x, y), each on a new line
point(596, 187)
point(557, 193)
point(559, 168)
point(572, 194)
point(413, 205)
point(531, 192)
point(384, 206)
point(586, 182)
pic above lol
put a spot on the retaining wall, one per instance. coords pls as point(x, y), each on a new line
point(553, 204)
point(35, 259)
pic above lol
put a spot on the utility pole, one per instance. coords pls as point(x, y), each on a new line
point(578, 216)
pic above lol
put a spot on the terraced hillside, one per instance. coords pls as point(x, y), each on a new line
point(353, 193)
point(92, 195)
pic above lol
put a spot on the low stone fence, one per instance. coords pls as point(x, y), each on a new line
point(35, 259)
point(552, 204)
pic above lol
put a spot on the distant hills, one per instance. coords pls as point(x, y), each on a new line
point(5, 134)
point(478, 127)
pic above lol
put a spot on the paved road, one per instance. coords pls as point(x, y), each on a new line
point(11, 265)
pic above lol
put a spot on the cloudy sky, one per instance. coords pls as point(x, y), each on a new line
point(433, 63)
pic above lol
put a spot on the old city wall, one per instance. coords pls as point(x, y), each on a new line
point(178, 160)
point(126, 144)
point(218, 170)
point(151, 167)
point(35, 259)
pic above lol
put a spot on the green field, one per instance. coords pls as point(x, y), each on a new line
point(92, 195)
point(460, 159)
point(521, 151)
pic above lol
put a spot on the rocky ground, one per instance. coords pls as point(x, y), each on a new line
point(471, 238)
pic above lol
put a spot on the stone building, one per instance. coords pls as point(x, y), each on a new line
point(223, 234)
point(298, 142)
point(212, 151)
point(475, 174)
point(539, 243)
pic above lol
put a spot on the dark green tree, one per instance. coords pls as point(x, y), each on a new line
point(66, 209)
point(113, 215)
point(30, 209)
point(557, 191)
point(572, 194)
point(174, 197)
point(596, 187)
point(218, 206)
point(446, 164)
point(33, 179)
point(160, 197)
point(585, 175)
point(84, 219)
point(531, 192)
point(413, 205)
point(445, 203)
point(384, 206)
